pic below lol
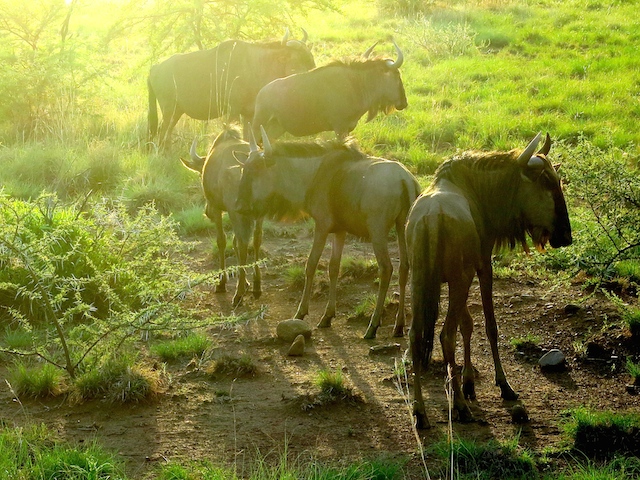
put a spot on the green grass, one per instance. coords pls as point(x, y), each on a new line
point(486, 461)
point(518, 343)
point(120, 379)
point(603, 434)
point(36, 380)
point(231, 365)
point(192, 345)
point(356, 267)
point(634, 370)
point(294, 277)
point(34, 452)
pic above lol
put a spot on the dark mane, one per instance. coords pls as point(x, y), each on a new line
point(228, 133)
point(357, 63)
point(486, 178)
point(315, 149)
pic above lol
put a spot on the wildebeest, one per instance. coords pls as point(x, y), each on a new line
point(475, 202)
point(220, 175)
point(221, 81)
point(344, 191)
point(332, 97)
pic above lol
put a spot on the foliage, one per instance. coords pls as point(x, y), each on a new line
point(36, 381)
point(34, 452)
point(487, 461)
point(85, 276)
point(177, 26)
point(604, 434)
point(523, 341)
point(233, 366)
point(118, 379)
point(604, 188)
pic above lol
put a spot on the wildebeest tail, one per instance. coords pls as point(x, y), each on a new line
point(426, 278)
point(152, 116)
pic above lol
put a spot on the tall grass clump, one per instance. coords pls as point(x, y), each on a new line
point(85, 277)
point(36, 380)
point(604, 434)
point(34, 452)
point(486, 461)
point(190, 345)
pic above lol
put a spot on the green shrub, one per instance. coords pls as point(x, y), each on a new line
point(233, 366)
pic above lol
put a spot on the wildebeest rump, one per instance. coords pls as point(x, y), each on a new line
point(221, 81)
point(475, 202)
point(220, 174)
point(330, 98)
point(344, 191)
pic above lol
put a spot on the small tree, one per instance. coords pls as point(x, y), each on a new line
point(86, 278)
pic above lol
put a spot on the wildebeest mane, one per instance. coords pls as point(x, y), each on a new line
point(357, 63)
point(316, 149)
point(228, 133)
point(486, 177)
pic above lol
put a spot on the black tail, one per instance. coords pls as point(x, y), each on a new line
point(152, 116)
point(426, 279)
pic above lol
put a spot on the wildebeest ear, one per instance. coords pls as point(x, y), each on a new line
point(241, 157)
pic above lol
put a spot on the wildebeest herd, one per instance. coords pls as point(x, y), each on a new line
point(446, 234)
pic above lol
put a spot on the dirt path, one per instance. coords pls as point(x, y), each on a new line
point(233, 421)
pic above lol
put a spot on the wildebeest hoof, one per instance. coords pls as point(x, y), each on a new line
point(469, 390)
point(507, 393)
point(421, 421)
point(256, 294)
point(398, 332)
point(221, 288)
point(465, 415)
point(324, 323)
point(371, 333)
point(237, 300)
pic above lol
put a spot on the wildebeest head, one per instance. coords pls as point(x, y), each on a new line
point(254, 190)
point(386, 86)
point(541, 198)
point(298, 54)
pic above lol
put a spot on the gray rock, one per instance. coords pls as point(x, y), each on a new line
point(297, 347)
point(554, 359)
point(288, 330)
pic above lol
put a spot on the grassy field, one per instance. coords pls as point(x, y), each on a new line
point(485, 74)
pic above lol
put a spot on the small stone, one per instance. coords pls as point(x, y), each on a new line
point(519, 414)
point(553, 360)
point(288, 330)
point(389, 348)
point(297, 347)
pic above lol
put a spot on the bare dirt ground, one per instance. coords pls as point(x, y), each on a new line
point(233, 421)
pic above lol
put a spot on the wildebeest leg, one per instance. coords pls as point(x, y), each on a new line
point(385, 269)
point(319, 238)
point(485, 277)
point(334, 269)
point(416, 336)
point(221, 241)
point(457, 314)
point(403, 275)
point(241, 247)
point(166, 128)
point(257, 242)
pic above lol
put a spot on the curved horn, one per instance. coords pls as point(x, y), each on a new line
point(369, 50)
point(304, 35)
point(546, 147)
point(400, 60)
point(266, 144)
point(253, 146)
point(526, 155)
point(286, 36)
point(194, 155)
